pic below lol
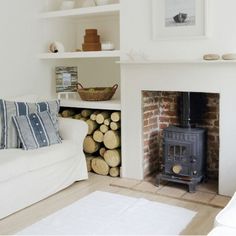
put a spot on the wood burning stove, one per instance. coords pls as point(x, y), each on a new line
point(184, 149)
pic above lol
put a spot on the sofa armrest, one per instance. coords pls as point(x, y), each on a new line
point(75, 130)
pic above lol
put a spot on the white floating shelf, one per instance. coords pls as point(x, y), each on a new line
point(184, 61)
point(113, 104)
point(71, 55)
point(111, 9)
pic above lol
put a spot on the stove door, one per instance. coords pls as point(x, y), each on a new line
point(178, 158)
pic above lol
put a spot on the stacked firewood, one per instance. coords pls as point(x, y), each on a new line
point(103, 142)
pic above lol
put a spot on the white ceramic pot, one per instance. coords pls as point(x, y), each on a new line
point(102, 2)
point(67, 4)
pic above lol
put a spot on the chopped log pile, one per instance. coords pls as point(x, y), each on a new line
point(103, 142)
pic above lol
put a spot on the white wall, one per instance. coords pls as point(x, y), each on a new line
point(136, 35)
point(136, 32)
point(21, 71)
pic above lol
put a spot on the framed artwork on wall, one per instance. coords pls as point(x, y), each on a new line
point(66, 79)
point(179, 19)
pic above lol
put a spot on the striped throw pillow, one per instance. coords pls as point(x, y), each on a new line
point(36, 130)
point(8, 109)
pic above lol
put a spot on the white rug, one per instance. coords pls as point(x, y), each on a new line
point(112, 214)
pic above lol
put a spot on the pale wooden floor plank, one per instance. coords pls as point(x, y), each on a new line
point(200, 225)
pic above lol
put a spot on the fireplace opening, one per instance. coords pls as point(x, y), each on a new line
point(181, 136)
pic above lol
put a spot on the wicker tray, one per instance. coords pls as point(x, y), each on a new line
point(96, 93)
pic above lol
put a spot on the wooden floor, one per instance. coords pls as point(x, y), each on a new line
point(201, 224)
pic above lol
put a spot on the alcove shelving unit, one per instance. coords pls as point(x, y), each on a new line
point(68, 27)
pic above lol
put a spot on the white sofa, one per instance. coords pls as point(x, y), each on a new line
point(225, 221)
point(27, 177)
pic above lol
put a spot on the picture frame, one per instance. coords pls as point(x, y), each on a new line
point(179, 19)
point(66, 79)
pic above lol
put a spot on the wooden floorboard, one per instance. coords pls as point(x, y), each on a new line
point(201, 224)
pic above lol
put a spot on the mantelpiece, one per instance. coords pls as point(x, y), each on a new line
point(184, 75)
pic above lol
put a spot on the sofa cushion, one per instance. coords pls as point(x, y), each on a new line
point(15, 162)
point(222, 231)
point(9, 109)
point(23, 98)
point(227, 216)
point(36, 130)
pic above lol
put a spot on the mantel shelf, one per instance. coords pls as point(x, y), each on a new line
point(111, 9)
point(184, 61)
point(113, 104)
point(77, 55)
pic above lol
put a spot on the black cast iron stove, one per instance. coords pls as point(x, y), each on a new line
point(184, 148)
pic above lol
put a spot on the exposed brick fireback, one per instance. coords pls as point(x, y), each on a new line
point(160, 109)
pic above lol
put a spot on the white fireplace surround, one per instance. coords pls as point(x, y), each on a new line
point(211, 77)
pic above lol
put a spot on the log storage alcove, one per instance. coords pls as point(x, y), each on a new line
point(102, 144)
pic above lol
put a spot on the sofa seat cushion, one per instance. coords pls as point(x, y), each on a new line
point(222, 231)
point(15, 162)
point(227, 217)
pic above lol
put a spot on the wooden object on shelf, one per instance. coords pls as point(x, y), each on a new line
point(92, 126)
point(102, 116)
point(112, 139)
point(88, 161)
point(68, 113)
point(104, 128)
point(84, 119)
point(96, 93)
point(94, 115)
point(99, 166)
point(115, 125)
point(102, 151)
point(107, 122)
point(114, 171)
point(112, 157)
point(116, 116)
point(91, 38)
point(90, 146)
point(98, 136)
point(77, 116)
point(91, 41)
point(86, 113)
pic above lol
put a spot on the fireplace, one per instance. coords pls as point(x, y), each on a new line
point(184, 146)
point(184, 157)
point(162, 111)
point(217, 80)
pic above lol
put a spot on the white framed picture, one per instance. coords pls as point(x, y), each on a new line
point(66, 79)
point(179, 19)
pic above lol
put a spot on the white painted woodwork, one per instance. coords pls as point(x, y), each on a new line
point(111, 9)
point(78, 103)
point(194, 77)
point(80, 55)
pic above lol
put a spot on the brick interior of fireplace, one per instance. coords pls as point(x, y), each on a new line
point(160, 109)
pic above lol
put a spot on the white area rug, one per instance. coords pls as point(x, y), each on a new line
point(112, 214)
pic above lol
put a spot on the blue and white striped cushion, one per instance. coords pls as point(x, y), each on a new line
point(9, 109)
point(36, 130)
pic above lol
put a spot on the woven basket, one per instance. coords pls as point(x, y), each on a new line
point(96, 93)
